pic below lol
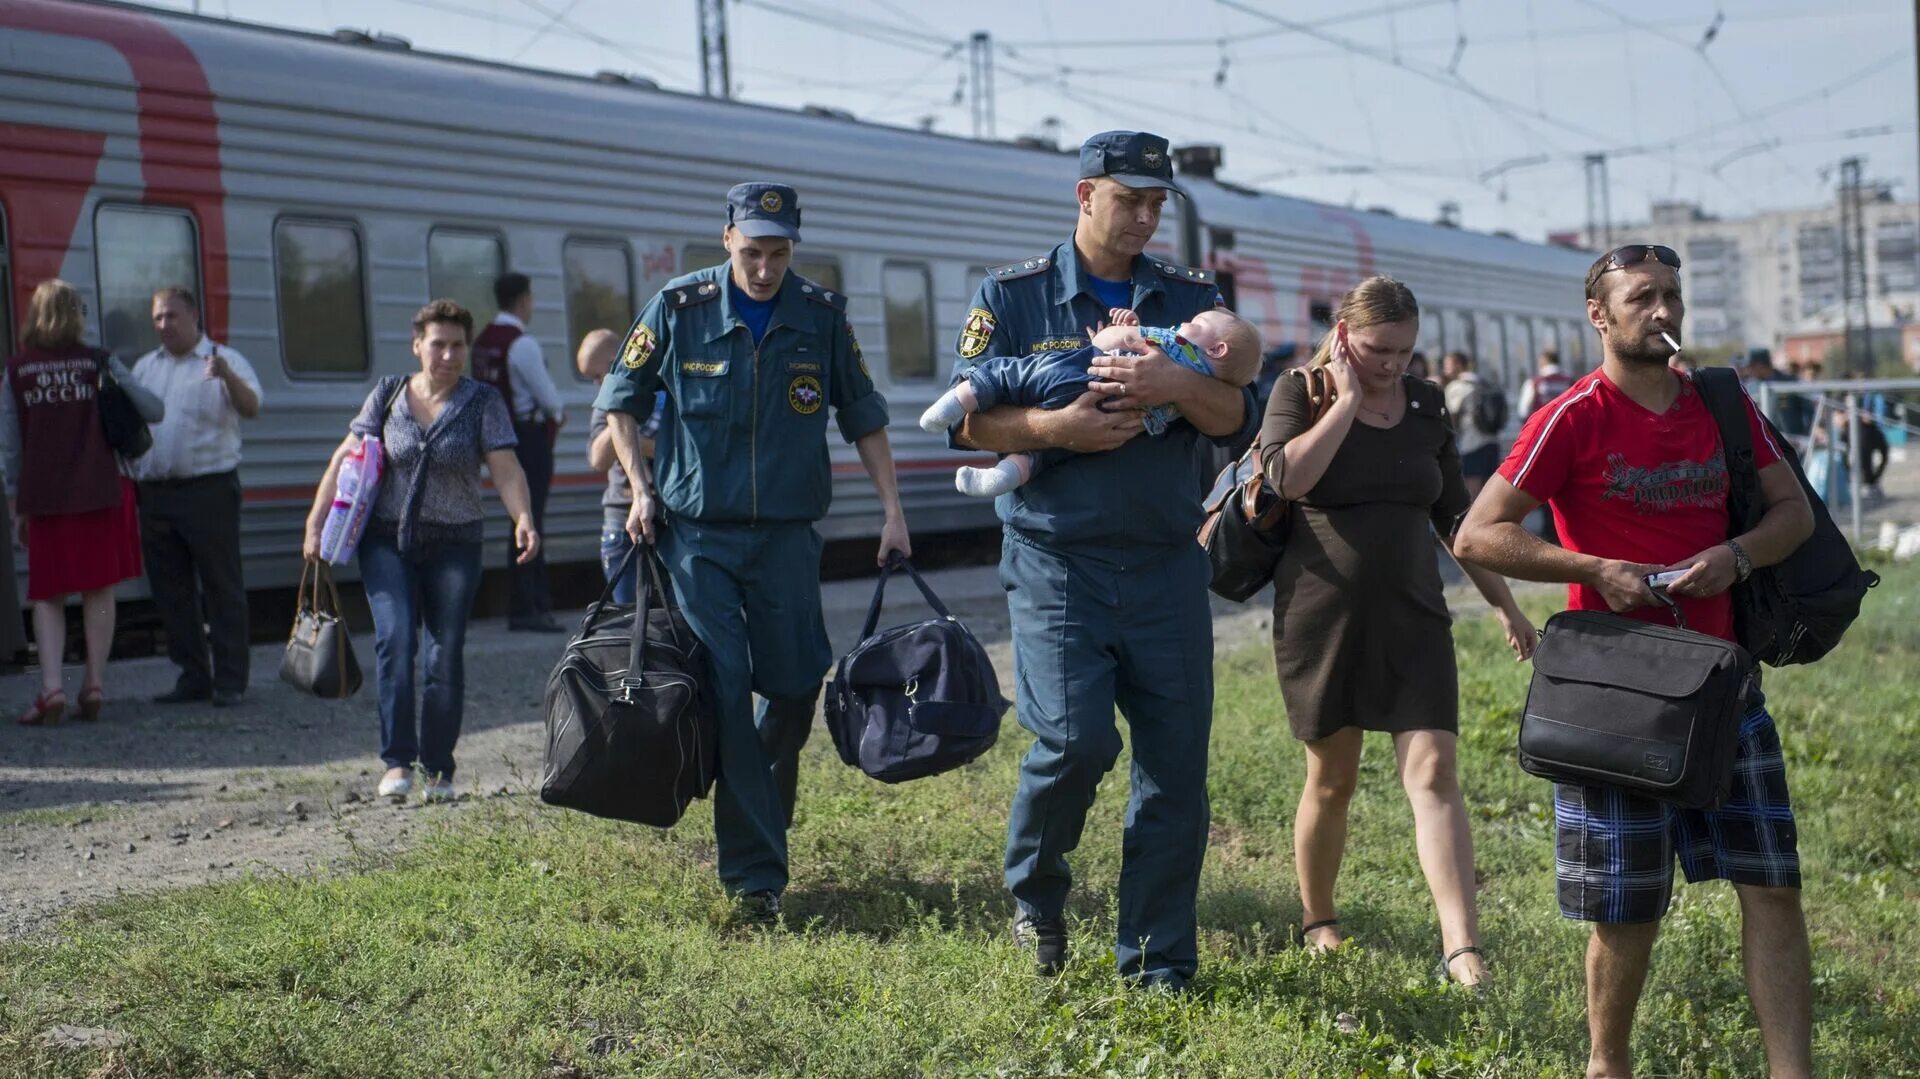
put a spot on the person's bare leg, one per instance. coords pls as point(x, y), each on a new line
point(1320, 828)
point(97, 618)
point(50, 637)
point(1617, 960)
point(1779, 968)
point(1429, 773)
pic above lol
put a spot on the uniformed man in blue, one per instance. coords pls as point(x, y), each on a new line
point(1106, 584)
point(751, 356)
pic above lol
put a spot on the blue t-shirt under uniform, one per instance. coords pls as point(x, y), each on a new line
point(757, 314)
point(1111, 294)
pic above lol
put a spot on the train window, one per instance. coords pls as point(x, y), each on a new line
point(824, 271)
point(1490, 346)
point(908, 294)
point(321, 276)
point(461, 267)
point(1430, 343)
point(7, 342)
point(138, 250)
point(599, 280)
point(1519, 349)
point(1546, 335)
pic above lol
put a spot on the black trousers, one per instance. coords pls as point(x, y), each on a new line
point(190, 535)
point(530, 600)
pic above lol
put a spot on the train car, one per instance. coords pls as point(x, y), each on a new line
point(315, 190)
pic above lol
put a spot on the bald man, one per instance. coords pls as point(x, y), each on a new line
point(594, 360)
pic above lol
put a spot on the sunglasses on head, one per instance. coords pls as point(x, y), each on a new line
point(1634, 254)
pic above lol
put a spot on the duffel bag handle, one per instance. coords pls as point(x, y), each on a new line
point(896, 560)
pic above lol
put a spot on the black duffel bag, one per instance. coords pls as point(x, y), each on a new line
point(632, 732)
point(1624, 703)
point(915, 700)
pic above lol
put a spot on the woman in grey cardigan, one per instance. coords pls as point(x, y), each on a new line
point(420, 557)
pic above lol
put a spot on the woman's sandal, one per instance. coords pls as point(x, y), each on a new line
point(1300, 935)
point(47, 711)
point(1446, 967)
point(92, 700)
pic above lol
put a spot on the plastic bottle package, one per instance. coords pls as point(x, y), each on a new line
point(356, 489)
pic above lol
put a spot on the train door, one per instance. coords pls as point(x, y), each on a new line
point(7, 343)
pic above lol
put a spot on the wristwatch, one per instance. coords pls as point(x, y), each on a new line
point(1742, 565)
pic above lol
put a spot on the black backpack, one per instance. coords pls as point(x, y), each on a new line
point(632, 733)
point(1489, 408)
point(1796, 611)
point(915, 700)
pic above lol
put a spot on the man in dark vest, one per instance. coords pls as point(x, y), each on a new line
point(508, 358)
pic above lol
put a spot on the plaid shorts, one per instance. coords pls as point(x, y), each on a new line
point(1615, 849)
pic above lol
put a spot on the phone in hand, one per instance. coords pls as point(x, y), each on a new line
point(1663, 580)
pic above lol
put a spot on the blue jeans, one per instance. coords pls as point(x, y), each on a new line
point(614, 545)
point(1089, 634)
point(431, 589)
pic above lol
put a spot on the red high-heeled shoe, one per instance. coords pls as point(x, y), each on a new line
point(47, 711)
point(92, 700)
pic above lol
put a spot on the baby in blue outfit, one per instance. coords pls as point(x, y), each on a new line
point(1216, 343)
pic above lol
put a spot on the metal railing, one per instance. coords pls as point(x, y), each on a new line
point(1842, 401)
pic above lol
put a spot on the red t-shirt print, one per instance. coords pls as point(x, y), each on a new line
point(1624, 482)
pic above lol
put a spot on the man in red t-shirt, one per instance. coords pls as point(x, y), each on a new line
point(1630, 463)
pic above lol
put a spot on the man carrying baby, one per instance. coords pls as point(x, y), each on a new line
point(1215, 342)
point(1106, 587)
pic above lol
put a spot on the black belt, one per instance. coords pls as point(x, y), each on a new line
point(188, 481)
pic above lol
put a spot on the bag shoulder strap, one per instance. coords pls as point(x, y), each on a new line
point(1726, 401)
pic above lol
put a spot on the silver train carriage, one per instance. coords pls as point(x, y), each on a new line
point(316, 190)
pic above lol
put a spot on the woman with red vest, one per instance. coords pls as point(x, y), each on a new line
point(68, 491)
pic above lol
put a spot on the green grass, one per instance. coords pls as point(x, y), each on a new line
point(528, 942)
point(53, 816)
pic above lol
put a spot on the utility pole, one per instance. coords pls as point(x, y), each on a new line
point(980, 82)
point(716, 75)
point(1854, 306)
point(1600, 202)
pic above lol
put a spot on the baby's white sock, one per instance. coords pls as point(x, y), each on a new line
point(944, 413)
point(989, 482)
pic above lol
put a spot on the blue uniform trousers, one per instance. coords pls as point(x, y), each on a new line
point(752, 595)
point(1091, 631)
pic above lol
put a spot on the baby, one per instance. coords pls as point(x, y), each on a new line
point(1216, 343)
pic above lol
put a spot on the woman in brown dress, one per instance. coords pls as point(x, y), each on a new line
point(1362, 637)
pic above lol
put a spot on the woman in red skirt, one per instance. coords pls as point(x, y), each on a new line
point(72, 503)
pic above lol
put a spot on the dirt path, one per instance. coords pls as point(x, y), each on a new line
point(156, 797)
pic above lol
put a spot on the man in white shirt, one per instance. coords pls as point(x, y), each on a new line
point(190, 501)
point(508, 358)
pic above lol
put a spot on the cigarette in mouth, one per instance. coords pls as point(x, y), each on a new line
point(1671, 343)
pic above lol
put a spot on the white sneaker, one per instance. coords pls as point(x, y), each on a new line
point(437, 790)
point(396, 787)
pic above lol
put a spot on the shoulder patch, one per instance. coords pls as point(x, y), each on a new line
point(1014, 271)
point(687, 295)
point(1182, 273)
point(821, 294)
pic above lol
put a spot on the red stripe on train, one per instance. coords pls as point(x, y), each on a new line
point(304, 492)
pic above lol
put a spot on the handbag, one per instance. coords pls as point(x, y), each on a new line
point(1620, 702)
point(632, 730)
point(126, 430)
point(1247, 522)
point(319, 657)
point(914, 700)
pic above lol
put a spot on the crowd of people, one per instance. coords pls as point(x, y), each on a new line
point(711, 420)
